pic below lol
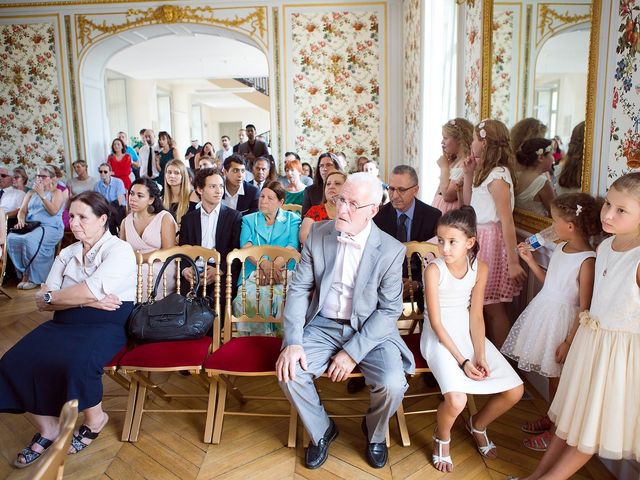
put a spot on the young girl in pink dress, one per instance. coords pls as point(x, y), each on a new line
point(488, 188)
point(457, 135)
point(596, 409)
point(540, 338)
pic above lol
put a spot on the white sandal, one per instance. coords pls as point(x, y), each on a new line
point(484, 450)
point(439, 458)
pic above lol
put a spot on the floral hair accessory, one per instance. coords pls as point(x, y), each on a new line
point(578, 210)
point(483, 133)
point(542, 151)
point(452, 123)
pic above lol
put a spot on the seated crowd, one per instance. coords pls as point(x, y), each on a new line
point(346, 293)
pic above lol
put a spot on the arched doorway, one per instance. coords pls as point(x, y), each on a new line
point(95, 132)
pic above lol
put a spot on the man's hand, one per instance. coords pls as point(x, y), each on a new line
point(288, 360)
point(341, 366)
point(40, 303)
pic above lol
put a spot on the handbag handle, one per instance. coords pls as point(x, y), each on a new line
point(167, 262)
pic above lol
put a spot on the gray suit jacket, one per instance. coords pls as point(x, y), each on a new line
point(377, 292)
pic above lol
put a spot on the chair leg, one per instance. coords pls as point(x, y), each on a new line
point(211, 409)
point(233, 390)
point(293, 427)
point(471, 404)
point(219, 418)
point(402, 426)
point(138, 412)
point(131, 403)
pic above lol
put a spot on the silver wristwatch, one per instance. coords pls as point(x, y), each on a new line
point(47, 298)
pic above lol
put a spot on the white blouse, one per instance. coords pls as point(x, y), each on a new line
point(482, 200)
point(108, 268)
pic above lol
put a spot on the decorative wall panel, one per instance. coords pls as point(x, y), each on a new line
point(412, 92)
point(473, 61)
point(624, 155)
point(504, 68)
point(334, 77)
point(31, 124)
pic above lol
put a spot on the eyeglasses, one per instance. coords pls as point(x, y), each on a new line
point(401, 190)
point(352, 207)
point(103, 171)
point(4, 175)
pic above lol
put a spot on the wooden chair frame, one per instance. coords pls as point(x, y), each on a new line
point(140, 382)
point(221, 380)
point(426, 251)
point(52, 466)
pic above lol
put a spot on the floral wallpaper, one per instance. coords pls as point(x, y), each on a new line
point(625, 123)
point(336, 83)
point(31, 127)
point(412, 96)
point(502, 68)
point(473, 61)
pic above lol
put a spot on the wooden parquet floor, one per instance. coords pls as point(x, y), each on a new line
point(170, 445)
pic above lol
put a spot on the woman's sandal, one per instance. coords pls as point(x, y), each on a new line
point(439, 458)
point(29, 455)
point(85, 432)
point(539, 425)
point(539, 443)
point(483, 449)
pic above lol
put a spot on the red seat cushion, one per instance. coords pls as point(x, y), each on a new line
point(181, 355)
point(413, 342)
point(246, 354)
point(115, 361)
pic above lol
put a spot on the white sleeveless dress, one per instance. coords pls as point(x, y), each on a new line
point(597, 406)
point(455, 297)
point(546, 321)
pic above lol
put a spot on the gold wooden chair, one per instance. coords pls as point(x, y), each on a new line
point(171, 356)
point(3, 247)
point(292, 207)
point(52, 466)
point(410, 326)
point(247, 356)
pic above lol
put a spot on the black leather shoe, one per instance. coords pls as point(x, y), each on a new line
point(316, 455)
point(356, 384)
point(376, 453)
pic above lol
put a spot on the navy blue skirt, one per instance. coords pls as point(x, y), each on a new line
point(62, 359)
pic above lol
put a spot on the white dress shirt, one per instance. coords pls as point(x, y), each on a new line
point(208, 224)
point(231, 201)
point(143, 157)
point(11, 199)
point(338, 303)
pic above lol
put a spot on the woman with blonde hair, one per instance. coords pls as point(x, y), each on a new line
point(178, 197)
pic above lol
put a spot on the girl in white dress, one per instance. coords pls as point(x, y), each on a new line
point(596, 409)
point(540, 338)
point(453, 342)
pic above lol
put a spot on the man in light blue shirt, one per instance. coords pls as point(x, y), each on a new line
point(110, 187)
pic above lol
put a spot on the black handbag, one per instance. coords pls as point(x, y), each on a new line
point(28, 227)
point(175, 317)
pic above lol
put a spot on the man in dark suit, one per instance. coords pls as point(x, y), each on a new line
point(213, 225)
point(406, 219)
point(238, 193)
point(253, 147)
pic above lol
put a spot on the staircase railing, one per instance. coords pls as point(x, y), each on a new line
point(260, 84)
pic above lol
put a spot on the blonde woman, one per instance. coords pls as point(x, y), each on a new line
point(178, 197)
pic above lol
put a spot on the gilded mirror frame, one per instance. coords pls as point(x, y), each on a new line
point(524, 219)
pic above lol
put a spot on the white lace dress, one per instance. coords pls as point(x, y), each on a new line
point(546, 321)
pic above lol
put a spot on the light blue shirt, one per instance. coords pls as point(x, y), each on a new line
point(132, 153)
point(111, 191)
point(407, 223)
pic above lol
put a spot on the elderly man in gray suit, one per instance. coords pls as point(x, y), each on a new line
point(341, 311)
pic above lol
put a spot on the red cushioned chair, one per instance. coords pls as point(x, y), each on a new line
point(173, 356)
point(242, 356)
point(410, 326)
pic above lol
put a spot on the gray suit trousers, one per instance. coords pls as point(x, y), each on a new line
point(382, 368)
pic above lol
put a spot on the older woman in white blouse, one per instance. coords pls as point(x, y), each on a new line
point(90, 289)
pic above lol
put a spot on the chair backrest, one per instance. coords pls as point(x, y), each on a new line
point(52, 466)
point(292, 207)
point(3, 244)
point(256, 255)
point(412, 314)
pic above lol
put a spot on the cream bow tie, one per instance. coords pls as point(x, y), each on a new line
point(349, 241)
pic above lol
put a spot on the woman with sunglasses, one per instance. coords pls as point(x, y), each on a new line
point(327, 163)
point(33, 253)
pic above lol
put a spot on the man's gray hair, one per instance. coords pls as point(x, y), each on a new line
point(406, 169)
point(373, 184)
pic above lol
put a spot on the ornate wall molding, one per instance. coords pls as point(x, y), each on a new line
point(91, 28)
point(550, 20)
